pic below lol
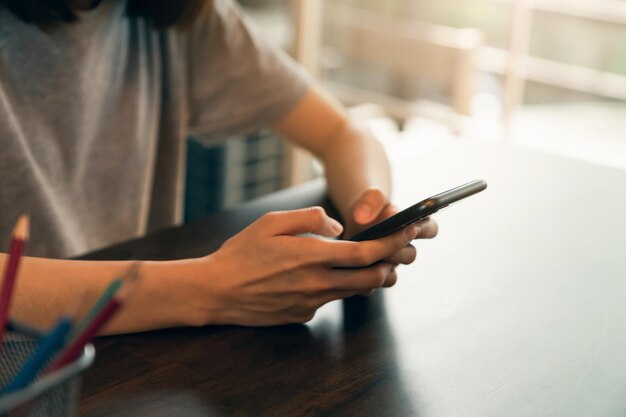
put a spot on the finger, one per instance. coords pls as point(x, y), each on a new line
point(369, 206)
point(359, 279)
point(333, 296)
point(294, 222)
point(391, 279)
point(360, 254)
point(404, 256)
point(429, 229)
point(294, 316)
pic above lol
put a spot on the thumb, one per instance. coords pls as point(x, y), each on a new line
point(295, 222)
point(369, 206)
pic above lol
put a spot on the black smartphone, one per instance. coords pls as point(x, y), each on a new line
point(420, 211)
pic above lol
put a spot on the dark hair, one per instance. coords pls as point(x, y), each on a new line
point(162, 13)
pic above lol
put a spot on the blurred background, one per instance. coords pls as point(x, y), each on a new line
point(545, 74)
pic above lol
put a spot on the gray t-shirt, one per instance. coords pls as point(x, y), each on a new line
point(93, 118)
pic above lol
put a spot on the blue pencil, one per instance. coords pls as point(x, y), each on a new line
point(47, 347)
point(25, 329)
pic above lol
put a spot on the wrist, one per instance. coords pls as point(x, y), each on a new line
point(180, 292)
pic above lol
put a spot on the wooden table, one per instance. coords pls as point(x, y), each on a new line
point(518, 308)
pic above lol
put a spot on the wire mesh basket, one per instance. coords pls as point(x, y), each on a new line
point(51, 395)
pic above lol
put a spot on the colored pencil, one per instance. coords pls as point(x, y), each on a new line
point(25, 329)
point(18, 240)
point(46, 348)
point(98, 306)
point(77, 345)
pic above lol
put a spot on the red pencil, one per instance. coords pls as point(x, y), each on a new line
point(77, 345)
point(18, 240)
point(73, 351)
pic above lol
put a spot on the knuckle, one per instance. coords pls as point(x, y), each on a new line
point(298, 259)
point(269, 218)
point(311, 286)
point(402, 241)
point(319, 251)
point(317, 210)
point(308, 316)
point(359, 254)
point(311, 304)
point(230, 242)
point(318, 215)
point(303, 317)
point(319, 302)
point(310, 252)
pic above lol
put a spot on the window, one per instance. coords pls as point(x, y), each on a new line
point(533, 59)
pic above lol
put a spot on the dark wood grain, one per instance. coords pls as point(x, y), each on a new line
point(516, 309)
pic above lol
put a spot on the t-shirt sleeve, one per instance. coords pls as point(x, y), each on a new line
point(237, 81)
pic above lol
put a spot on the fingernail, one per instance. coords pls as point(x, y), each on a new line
point(336, 226)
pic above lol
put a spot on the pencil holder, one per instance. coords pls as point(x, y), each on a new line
point(51, 395)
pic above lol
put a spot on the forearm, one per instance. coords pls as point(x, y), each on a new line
point(167, 295)
point(354, 162)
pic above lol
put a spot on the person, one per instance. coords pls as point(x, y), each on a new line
point(96, 99)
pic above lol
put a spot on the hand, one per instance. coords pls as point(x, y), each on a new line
point(373, 207)
point(268, 275)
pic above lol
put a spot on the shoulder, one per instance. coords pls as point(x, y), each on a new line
point(222, 23)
